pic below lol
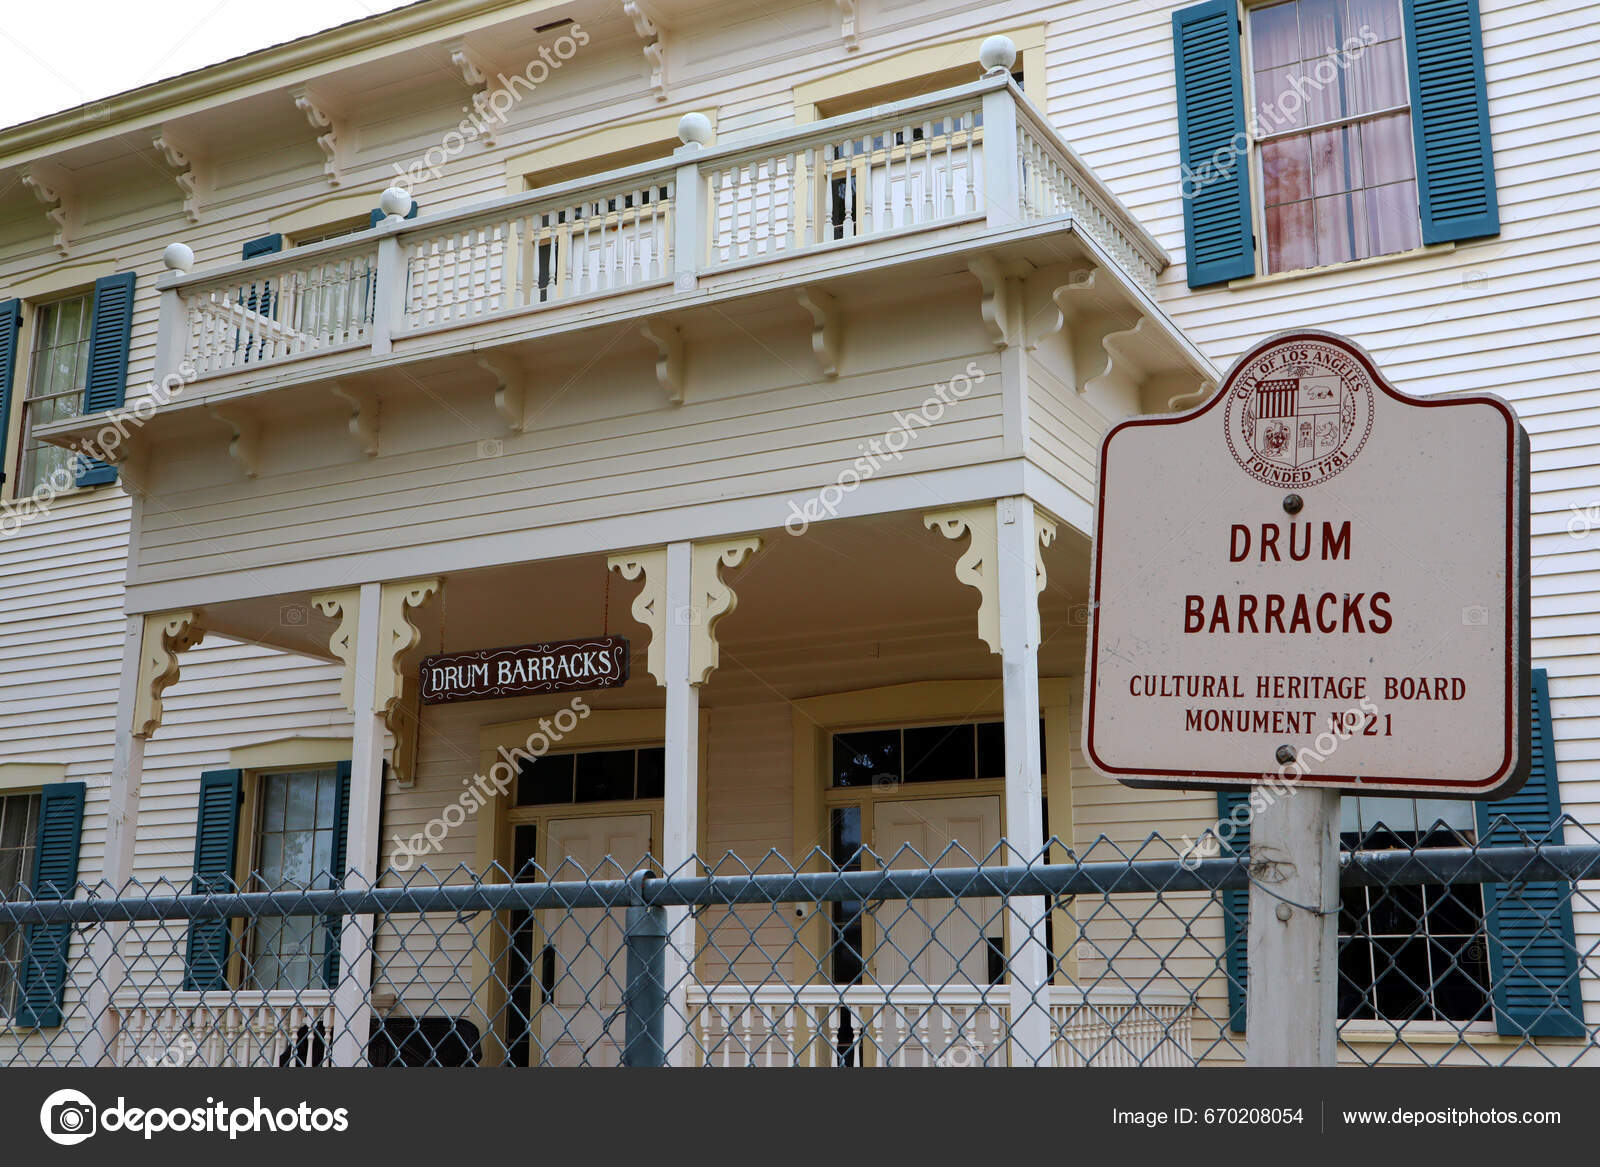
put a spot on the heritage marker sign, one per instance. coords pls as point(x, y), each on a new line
point(558, 666)
point(1313, 576)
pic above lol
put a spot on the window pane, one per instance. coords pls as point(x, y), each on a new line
point(1341, 229)
point(1278, 106)
point(992, 750)
point(652, 773)
point(939, 753)
point(1286, 170)
point(1335, 161)
point(301, 811)
point(1274, 36)
point(545, 781)
point(1323, 28)
point(269, 865)
point(605, 776)
point(1375, 79)
point(1461, 979)
point(1381, 17)
point(1291, 237)
point(860, 757)
point(1403, 979)
point(1393, 218)
point(1355, 979)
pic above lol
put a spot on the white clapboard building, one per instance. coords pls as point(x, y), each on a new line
point(777, 339)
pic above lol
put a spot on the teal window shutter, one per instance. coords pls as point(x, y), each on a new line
point(10, 331)
point(266, 245)
point(1235, 908)
point(1533, 953)
point(216, 843)
point(338, 862)
point(55, 877)
point(1212, 145)
point(110, 334)
point(1450, 121)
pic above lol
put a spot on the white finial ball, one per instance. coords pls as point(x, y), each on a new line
point(998, 52)
point(395, 201)
point(694, 129)
point(178, 257)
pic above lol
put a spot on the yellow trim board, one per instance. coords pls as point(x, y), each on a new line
point(595, 144)
point(26, 775)
point(290, 751)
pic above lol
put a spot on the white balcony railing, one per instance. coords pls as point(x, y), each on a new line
point(953, 1026)
point(976, 154)
point(234, 1030)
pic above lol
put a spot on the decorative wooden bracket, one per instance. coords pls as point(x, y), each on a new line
point(978, 565)
point(650, 605)
point(184, 170)
point(668, 340)
point(165, 635)
point(849, 30)
point(245, 445)
point(1071, 302)
point(1121, 370)
point(712, 599)
point(397, 698)
point(652, 30)
point(510, 390)
point(50, 189)
point(1001, 302)
point(475, 74)
point(825, 327)
point(344, 606)
point(1184, 401)
point(333, 138)
point(363, 403)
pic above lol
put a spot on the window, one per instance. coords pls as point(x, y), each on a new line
point(57, 378)
point(297, 816)
point(19, 831)
point(337, 231)
point(593, 776)
point(1416, 953)
point(1332, 125)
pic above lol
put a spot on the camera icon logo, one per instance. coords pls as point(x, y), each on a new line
point(68, 1117)
point(1475, 616)
point(491, 448)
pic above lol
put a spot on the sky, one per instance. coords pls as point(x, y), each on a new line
point(115, 45)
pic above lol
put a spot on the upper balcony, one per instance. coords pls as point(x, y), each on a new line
point(927, 183)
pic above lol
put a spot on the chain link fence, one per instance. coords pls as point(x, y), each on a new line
point(1451, 951)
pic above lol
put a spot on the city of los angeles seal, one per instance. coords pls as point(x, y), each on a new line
point(1299, 412)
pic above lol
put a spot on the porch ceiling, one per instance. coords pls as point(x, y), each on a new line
point(852, 603)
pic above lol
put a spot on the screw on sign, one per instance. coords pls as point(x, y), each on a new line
point(1326, 582)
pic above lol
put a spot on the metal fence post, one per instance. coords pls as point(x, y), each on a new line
point(644, 995)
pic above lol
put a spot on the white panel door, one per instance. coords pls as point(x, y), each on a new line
point(581, 1022)
point(933, 942)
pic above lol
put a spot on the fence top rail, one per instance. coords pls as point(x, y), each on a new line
point(1512, 864)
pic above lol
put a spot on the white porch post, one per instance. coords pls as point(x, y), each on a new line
point(1027, 955)
point(122, 829)
point(352, 997)
point(681, 813)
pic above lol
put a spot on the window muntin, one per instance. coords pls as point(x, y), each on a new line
point(1416, 953)
point(297, 815)
point(923, 753)
point(1332, 124)
point(19, 832)
point(57, 376)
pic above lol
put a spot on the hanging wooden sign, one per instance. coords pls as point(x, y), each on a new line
point(557, 666)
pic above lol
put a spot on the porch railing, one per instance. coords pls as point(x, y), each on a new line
point(976, 155)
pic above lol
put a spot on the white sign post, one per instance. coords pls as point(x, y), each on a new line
point(1312, 580)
